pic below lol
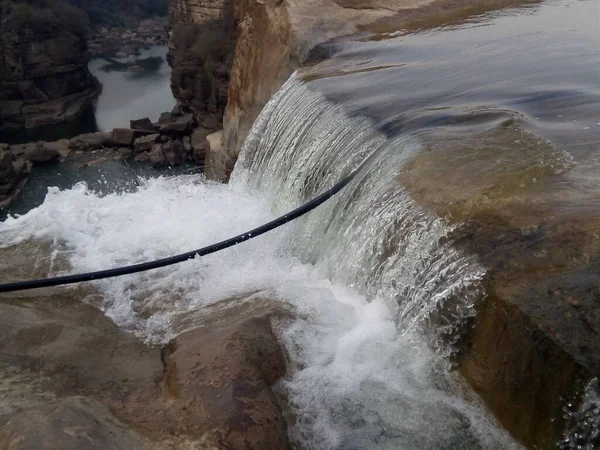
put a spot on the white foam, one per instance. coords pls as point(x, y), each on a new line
point(358, 383)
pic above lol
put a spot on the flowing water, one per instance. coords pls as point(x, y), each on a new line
point(380, 292)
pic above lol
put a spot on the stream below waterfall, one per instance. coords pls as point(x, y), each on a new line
point(472, 110)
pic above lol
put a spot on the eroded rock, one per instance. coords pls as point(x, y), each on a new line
point(144, 143)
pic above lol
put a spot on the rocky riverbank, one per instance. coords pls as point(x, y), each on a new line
point(122, 42)
point(176, 138)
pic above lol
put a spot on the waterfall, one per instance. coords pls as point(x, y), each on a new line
point(372, 236)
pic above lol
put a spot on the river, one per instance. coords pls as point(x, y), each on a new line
point(132, 88)
point(491, 117)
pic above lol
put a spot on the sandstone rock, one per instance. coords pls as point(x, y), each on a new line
point(239, 359)
point(210, 122)
point(89, 141)
point(176, 111)
point(219, 162)
point(144, 143)
point(142, 124)
point(180, 125)
point(122, 137)
point(69, 424)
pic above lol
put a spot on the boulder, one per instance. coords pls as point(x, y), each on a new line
point(219, 163)
point(239, 360)
point(144, 143)
point(180, 125)
point(7, 170)
point(69, 424)
point(37, 152)
point(165, 117)
point(156, 156)
point(122, 137)
point(89, 141)
point(142, 124)
point(174, 152)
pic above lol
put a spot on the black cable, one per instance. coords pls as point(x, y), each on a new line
point(119, 271)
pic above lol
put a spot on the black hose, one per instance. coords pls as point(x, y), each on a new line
point(118, 271)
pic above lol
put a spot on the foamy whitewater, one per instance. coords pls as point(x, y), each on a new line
point(366, 275)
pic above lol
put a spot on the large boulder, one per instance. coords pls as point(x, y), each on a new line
point(7, 171)
point(144, 124)
point(219, 376)
point(73, 423)
point(122, 137)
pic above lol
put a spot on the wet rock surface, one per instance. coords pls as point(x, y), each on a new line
point(211, 385)
point(536, 335)
point(70, 424)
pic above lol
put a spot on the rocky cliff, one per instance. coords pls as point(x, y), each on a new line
point(271, 38)
point(44, 77)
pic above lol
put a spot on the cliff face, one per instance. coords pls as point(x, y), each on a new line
point(272, 37)
point(44, 80)
point(44, 77)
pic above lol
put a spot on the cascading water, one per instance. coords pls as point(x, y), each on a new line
point(368, 274)
point(372, 236)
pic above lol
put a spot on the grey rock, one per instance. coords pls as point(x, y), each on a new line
point(156, 156)
point(165, 117)
point(144, 143)
point(181, 125)
point(142, 124)
point(38, 152)
point(122, 137)
point(124, 152)
point(90, 141)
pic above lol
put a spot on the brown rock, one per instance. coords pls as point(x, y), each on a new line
point(219, 163)
point(239, 359)
point(144, 143)
point(70, 424)
point(124, 152)
point(142, 124)
point(187, 144)
point(122, 137)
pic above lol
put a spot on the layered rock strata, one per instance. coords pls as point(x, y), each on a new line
point(44, 78)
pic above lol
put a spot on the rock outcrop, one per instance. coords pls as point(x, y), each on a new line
point(209, 388)
point(44, 77)
point(271, 39)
